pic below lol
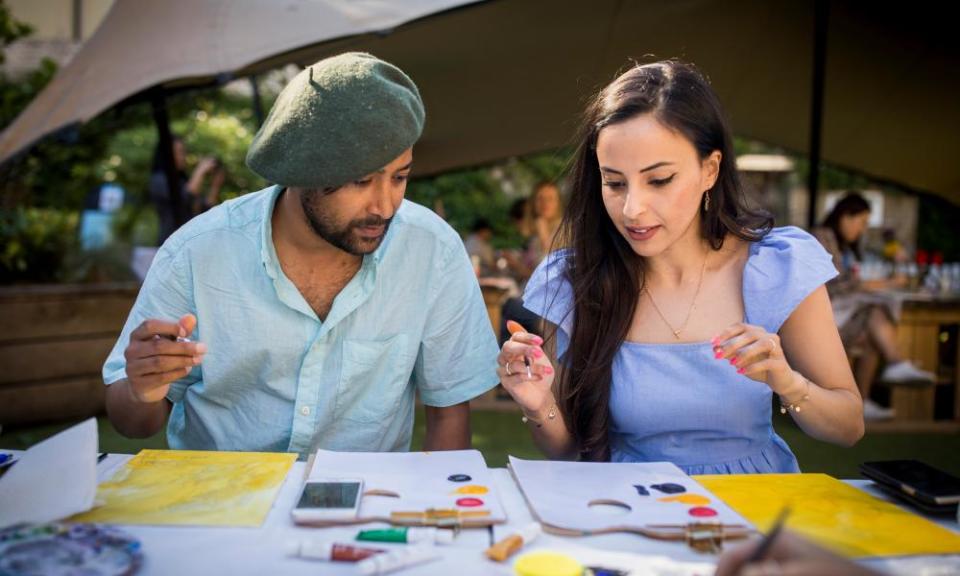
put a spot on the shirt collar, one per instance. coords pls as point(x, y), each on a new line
point(268, 252)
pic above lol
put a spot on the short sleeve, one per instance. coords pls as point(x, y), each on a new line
point(783, 268)
point(548, 294)
point(164, 295)
point(457, 359)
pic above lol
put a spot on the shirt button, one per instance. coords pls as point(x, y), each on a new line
point(305, 410)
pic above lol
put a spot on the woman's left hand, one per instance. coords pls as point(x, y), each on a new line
point(756, 354)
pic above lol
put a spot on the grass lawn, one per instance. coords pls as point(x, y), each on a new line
point(498, 434)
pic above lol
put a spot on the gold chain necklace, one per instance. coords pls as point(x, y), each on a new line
point(693, 304)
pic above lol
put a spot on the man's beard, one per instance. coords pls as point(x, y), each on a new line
point(345, 238)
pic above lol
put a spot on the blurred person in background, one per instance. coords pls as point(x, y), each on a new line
point(479, 249)
point(519, 263)
point(866, 318)
point(543, 214)
point(193, 199)
point(546, 211)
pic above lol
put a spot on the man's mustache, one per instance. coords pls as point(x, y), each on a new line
point(371, 221)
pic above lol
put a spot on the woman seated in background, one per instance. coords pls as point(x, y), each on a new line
point(866, 319)
point(677, 311)
point(537, 219)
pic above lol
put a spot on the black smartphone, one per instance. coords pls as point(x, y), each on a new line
point(915, 479)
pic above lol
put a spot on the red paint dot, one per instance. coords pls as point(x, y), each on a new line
point(702, 511)
point(469, 502)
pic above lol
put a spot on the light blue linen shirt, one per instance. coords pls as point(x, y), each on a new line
point(276, 378)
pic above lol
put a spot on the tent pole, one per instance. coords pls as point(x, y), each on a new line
point(158, 100)
point(257, 105)
point(821, 20)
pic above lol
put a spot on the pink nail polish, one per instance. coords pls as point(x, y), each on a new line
point(733, 360)
point(537, 340)
point(740, 370)
point(718, 355)
point(537, 353)
point(547, 370)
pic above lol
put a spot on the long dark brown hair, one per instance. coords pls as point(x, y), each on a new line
point(606, 275)
point(852, 204)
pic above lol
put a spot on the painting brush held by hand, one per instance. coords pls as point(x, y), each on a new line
point(514, 327)
point(767, 541)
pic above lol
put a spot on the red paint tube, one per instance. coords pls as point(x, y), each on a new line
point(330, 551)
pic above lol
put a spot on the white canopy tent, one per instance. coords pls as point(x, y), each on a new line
point(507, 77)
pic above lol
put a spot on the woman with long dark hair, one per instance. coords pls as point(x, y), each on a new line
point(865, 317)
point(676, 310)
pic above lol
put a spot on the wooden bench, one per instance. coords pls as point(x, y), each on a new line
point(52, 348)
point(921, 324)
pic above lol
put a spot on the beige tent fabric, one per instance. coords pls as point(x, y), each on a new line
point(507, 77)
point(142, 43)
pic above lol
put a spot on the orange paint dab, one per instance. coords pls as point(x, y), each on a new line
point(471, 489)
point(691, 499)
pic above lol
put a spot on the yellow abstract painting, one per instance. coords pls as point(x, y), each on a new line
point(837, 515)
point(197, 488)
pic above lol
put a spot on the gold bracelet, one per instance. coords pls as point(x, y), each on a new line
point(551, 414)
point(795, 406)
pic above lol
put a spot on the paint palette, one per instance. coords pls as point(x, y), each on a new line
point(580, 495)
point(455, 482)
point(68, 549)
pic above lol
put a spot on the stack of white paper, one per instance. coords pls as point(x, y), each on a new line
point(52, 480)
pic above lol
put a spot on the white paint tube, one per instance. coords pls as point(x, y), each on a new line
point(397, 559)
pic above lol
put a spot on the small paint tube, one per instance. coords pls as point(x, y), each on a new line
point(397, 559)
point(410, 535)
point(330, 551)
point(507, 546)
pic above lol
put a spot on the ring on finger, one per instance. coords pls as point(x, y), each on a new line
point(507, 368)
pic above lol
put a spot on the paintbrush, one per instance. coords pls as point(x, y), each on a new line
point(768, 539)
point(515, 327)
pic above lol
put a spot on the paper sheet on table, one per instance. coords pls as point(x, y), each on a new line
point(837, 515)
point(197, 488)
point(420, 478)
point(560, 494)
point(53, 479)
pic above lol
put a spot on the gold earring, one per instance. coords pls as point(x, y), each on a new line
point(706, 201)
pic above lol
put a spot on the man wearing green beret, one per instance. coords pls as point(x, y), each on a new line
point(307, 315)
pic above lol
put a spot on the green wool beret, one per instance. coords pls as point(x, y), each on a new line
point(337, 121)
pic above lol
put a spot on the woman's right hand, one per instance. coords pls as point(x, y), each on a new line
point(533, 393)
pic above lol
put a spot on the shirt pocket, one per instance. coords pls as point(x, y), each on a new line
point(374, 377)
